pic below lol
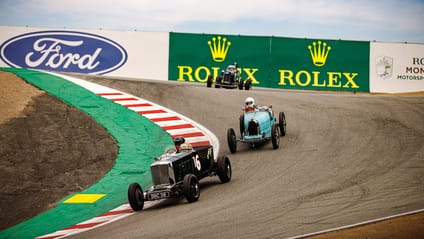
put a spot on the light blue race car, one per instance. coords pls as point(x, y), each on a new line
point(258, 124)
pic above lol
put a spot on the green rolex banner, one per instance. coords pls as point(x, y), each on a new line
point(193, 57)
point(320, 64)
point(272, 62)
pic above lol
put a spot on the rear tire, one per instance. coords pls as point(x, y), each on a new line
point(191, 188)
point(275, 134)
point(224, 169)
point(241, 124)
point(282, 123)
point(136, 197)
point(232, 141)
point(209, 82)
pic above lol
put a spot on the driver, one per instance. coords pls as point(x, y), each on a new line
point(250, 105)
point(180, 144)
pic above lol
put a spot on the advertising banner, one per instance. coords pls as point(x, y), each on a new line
point(193, 57)
point(271, 61)
point(396, 67)
point(100, 52)
point(320, 64)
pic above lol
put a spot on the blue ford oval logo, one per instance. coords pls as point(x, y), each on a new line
point(66, 51)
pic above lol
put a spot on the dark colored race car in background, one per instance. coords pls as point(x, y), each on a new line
point(178, 171)
point(258, 126)
point(230, 78)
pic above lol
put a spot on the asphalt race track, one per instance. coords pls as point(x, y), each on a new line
point(346, 158)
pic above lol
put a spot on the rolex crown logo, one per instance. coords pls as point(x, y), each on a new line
point(219, 47)
point(319, 52)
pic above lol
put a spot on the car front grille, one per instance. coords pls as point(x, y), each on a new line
point(253, 128)
point(160, 174)
point(228, 78)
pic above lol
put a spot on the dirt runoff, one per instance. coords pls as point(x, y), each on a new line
point(48, 150)
point(410, 226)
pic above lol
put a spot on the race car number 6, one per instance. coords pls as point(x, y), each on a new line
point(197, 163)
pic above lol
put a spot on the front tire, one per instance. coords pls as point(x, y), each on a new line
point(218, 82)
point(240, 84)
point(191, 188)
point(136, 197)
point(248, 84)
point(232, 141)
point(224, 169)
point(275, 134)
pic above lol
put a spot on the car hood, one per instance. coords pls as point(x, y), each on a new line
point(168, 158)
point(260, 116)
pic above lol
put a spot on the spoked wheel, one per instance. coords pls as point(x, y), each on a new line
point(275, 137)
point(224, 169)
point(191, 188)
point(232, 141)
point(136, 197)
point(282, 123)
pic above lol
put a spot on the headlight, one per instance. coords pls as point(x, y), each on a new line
point(171, 174)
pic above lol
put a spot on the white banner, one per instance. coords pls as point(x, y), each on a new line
point(102, 52)
point(396, 67)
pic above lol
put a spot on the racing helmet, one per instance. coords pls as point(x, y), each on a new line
point(179, 140)
point(249, 102)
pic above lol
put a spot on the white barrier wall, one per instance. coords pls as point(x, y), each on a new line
point(396, 67)
point(132, 54)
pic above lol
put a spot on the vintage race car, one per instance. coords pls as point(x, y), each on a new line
point(178, 171)
point(229, 78)
point(258, 126)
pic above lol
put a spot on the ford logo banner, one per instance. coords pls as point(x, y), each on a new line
point(65, 51)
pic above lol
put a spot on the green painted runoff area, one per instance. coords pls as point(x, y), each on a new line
point(139, 141)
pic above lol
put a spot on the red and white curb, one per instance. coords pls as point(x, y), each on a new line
point(170, 121)
point(106, 218)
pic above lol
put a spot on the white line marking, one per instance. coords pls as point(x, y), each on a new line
point(357, 224)
point(172, 123)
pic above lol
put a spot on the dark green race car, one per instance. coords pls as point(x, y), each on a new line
point(178, 171)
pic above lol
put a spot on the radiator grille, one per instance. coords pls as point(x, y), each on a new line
point(160, 174)
point(228, 77)
point(253, 128)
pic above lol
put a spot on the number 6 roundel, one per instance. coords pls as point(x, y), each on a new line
point(196, 162)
